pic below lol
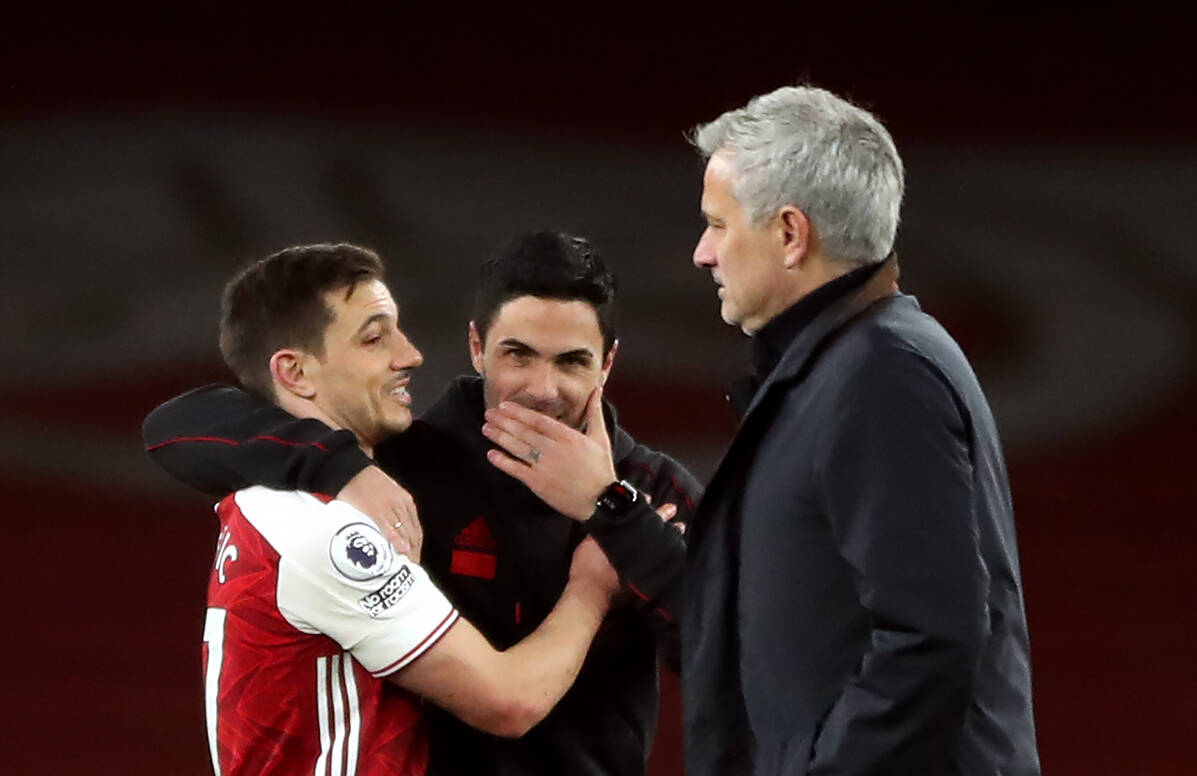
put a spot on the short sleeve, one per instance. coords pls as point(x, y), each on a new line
point(339, 576)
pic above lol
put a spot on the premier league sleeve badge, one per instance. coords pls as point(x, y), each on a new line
point(360, 552)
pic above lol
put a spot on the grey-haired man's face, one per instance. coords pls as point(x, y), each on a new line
point(746, 262)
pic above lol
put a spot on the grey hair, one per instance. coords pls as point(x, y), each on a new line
point(806, 147)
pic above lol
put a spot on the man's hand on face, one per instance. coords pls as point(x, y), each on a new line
point(391, 508)
point(566, 468)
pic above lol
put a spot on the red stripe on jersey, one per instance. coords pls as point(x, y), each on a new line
point(235, 443)
point(644, 598)
point(437, 632)
point(289, 443)
point(344, 691)
point(330, 686)
point(191, 439)
point(677, 486)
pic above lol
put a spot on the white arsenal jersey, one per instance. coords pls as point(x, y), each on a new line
point(309, 607)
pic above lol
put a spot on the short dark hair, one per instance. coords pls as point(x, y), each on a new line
point(277, 302)
point(547, 265)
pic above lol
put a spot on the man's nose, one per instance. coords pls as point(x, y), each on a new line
point(704, 253)
point(405, 355)
point(542, 382)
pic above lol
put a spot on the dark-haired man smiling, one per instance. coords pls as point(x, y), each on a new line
point(543, 336)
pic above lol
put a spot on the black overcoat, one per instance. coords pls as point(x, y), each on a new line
point(852, 595)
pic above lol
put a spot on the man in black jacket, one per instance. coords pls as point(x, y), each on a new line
point(542, 337)
point(853, 602)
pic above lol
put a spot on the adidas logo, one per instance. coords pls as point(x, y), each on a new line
point(474, 551)
point(476, 536)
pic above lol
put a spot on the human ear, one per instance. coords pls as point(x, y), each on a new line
point(287, 369)
point(796, 235)
point(475, 342)
point(609, 362)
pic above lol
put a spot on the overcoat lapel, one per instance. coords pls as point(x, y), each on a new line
point(791, 369)
point(718, 730)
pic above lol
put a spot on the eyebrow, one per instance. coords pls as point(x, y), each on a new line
point(512, 342)
point(576, 353)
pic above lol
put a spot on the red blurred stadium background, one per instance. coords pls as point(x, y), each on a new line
point(1052, 180)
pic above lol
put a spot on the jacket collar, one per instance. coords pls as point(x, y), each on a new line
point(773, 340)
point(770, 344)
point(807, 340)
point(805, 345)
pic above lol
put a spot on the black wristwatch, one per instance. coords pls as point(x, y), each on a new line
point(616, 502)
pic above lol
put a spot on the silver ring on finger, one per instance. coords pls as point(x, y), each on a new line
point(534, 455)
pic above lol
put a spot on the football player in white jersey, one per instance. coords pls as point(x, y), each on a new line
point(320, 636)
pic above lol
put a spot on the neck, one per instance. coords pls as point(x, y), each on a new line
point(306, 408)
point(821, 270)
point(813, 272)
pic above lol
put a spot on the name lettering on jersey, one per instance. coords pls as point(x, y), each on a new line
point(225, 553)
point(389, 594)
point(359, 552)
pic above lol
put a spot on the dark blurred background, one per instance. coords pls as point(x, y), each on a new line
point(146, 152)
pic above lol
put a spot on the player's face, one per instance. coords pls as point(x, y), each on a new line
point(745, 261)
point(545, 354)
point(362, 380)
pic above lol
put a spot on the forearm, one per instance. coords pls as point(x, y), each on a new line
point(218, 439)
point(648, 554)
point(542, 667)
point(507, 693)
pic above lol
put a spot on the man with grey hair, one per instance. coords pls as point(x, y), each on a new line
point(854, 597)
point(853, 602)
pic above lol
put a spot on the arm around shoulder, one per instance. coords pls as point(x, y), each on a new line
point(219, 439)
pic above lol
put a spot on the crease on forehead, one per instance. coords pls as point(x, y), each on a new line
point(376, 300)
point(528, 318)
point(380, 316)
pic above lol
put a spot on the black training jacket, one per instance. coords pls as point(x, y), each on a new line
point(499, 553)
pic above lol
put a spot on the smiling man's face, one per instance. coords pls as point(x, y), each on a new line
point(362, 377)
point(544, 354)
